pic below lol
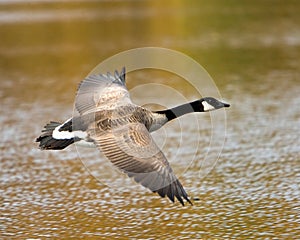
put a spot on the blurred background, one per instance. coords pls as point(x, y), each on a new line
point(252, 51)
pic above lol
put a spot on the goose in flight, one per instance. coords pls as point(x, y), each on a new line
point(110, 121)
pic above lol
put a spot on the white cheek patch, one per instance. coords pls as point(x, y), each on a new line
point(207, 106)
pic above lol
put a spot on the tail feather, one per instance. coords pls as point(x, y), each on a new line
point(47, 142)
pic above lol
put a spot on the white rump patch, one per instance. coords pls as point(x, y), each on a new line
point(56, 134)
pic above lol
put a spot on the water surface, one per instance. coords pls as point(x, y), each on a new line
point(250, 48)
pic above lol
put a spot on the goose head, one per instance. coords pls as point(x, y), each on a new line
point(210, 104)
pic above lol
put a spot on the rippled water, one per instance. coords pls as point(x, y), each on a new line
point(251, 49)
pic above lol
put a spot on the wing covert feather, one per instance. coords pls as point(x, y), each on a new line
point(132, 149)
point(101, 91)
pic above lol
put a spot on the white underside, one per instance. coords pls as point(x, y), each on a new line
point(83, 143)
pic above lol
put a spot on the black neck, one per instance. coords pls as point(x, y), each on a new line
point(178, 111)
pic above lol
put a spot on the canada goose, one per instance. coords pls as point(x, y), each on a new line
point(120, 129)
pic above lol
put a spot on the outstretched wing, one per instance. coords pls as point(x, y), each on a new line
point(132, 149)
point(100, 91)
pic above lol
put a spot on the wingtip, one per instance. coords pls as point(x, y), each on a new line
point(189, 201)
point(178, 193)
point(123, 74)
point(120, 75)
point(182, 202)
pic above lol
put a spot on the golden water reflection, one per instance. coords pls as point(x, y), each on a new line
point(250, 48)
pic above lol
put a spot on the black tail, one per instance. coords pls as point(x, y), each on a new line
point(47, 142)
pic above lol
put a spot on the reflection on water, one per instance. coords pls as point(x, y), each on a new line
point(251, 49)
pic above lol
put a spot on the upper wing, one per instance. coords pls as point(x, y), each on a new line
point(132, 149)
point(98, 92)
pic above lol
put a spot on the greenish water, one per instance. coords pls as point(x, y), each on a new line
point(252, 51)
